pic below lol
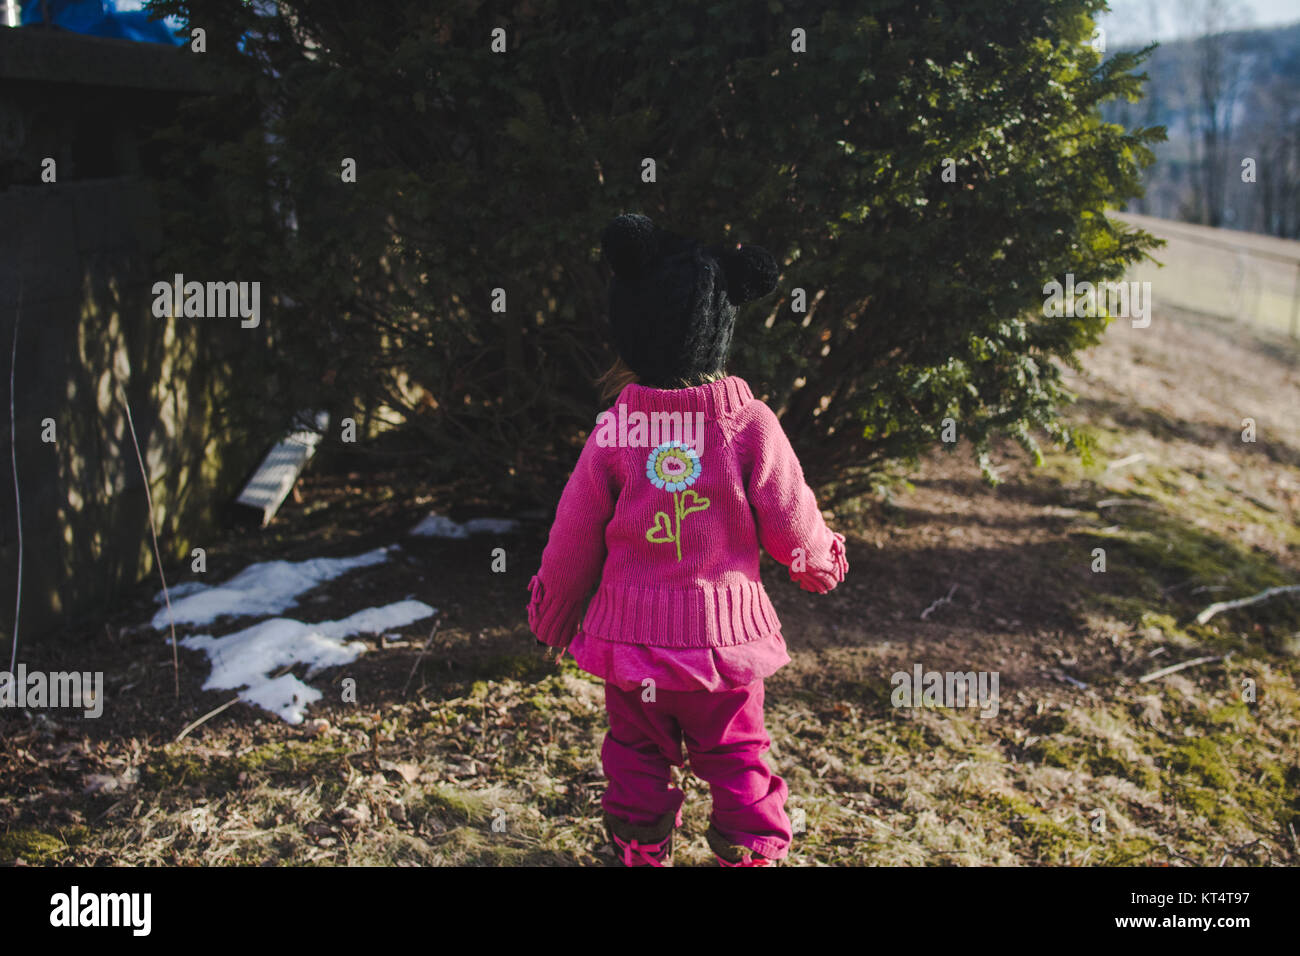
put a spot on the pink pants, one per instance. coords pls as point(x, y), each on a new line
point(724, 736)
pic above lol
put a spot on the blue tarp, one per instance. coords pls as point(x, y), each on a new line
point(123, 19)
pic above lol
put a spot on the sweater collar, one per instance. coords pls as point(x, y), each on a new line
point(714, 399)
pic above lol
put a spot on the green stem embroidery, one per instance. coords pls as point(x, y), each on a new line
point(666, 529)
point(677, 533)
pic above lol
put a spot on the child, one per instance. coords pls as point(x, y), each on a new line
point(671, 497)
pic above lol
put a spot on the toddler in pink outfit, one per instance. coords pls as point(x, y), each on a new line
point(677, 487)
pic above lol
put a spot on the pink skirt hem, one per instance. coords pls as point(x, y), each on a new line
point(628, 666)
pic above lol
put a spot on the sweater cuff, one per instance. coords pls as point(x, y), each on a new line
point(823, 575)
point(554, 620)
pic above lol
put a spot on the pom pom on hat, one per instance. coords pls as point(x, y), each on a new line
point(630, 244)
point(750, 270)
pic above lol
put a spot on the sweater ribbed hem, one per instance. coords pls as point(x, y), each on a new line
point(697, 617)
point(714, 399)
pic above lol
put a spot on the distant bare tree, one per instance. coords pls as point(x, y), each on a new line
point(1149, 11)
point(1217, 70)
point(1280, 177)
point(1268, 132)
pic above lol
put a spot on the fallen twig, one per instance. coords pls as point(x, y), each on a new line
point(208, 716)
point(1139, 502)
point(1264, 595)
point(1066, 678)
point(153, 530)
point(18, 504)
point(1173, 852)
point(1232, 851)
point(947, 599)
point(1174, 668)
point(420, 656)
point(1124, 462)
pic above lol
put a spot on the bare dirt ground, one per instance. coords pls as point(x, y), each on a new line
point(477, 751)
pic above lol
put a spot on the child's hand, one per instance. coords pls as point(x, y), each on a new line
point(821, 579)
point(559, 651)
point(817, 582)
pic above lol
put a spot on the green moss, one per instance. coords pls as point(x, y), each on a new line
point(1128, 851)
point(985, 754)
point(1200, 758)
point(1098, 445)
point(1094, 758)
point(521, 667)
point(38, 847)
point(1051, 723)
point(1208, 803)
point(1155, 561)
point(874, 693)
point(1235, 715)
point(174, 766)
point(1092, 749)
point(910, 737)
point(1228, 784)
point(1048, 837)
point(1180, 533)
point(465, 805)
point(291, 756)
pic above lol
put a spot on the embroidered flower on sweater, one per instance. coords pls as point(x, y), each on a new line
point(674, 467)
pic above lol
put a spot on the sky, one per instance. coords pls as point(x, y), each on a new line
point(1133, 22)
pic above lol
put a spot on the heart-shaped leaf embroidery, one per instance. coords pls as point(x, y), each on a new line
point(691, 502)
point(662, 532)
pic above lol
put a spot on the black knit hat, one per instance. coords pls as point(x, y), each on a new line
point(672, 303)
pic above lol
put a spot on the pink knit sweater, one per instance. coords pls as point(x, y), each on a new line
point(663, 515)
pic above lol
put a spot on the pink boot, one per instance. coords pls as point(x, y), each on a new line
point(648, 845)
point(732, 854)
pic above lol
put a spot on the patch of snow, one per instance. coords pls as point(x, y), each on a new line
point(491, 525)
point(267, 587)
point(245, 660)
point(440, 526)
point(182, 590)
